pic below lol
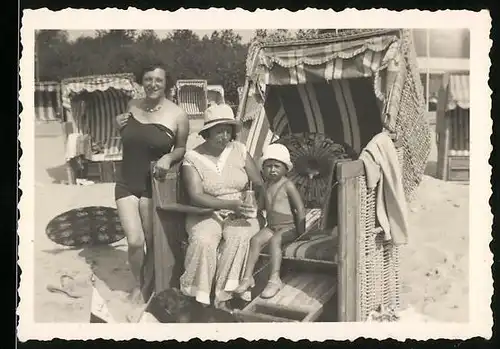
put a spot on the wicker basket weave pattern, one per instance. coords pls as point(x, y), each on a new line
point(411, 125)
point(378, 260)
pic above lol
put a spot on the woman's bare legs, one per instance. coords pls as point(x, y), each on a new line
point(256, 244)
point(146, 212)
point(128, 211)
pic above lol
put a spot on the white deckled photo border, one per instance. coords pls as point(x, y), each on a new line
point(481, 284)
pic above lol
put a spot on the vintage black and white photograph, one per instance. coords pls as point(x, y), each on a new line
point(254, 175)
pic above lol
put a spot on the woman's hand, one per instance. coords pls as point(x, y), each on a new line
point(121, 119)
point(239, 207)
point(162, 166)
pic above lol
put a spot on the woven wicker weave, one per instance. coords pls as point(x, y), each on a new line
point(314, 155)
point(411, 126)
point(378, 260)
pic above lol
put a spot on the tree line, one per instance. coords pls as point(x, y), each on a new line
point(218, 58)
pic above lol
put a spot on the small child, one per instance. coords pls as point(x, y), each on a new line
point(285, 218)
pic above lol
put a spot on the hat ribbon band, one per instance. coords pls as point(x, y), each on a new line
point(217, 120)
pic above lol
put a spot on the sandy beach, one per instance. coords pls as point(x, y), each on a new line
point(434, 264)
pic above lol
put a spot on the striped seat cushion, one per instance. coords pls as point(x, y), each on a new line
point(316, 244)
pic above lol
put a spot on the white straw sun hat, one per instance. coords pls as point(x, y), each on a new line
point(219, 114)
point(277, 152)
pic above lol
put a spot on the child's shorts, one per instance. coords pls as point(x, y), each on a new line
point(287, 230)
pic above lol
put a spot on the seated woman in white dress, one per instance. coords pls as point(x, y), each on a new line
point(216, 174)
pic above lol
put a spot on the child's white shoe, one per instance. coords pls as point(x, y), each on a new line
point(272, 288)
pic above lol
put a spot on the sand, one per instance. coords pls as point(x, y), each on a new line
point(434, 263)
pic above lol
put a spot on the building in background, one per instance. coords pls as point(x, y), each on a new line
point(440, 51)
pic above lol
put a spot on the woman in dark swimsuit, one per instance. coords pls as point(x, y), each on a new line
point(153, 130)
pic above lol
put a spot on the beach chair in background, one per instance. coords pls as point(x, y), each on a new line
point(48, 101)
point(191, 96)
point(48, 109)
point(453, 128)
point(91, 104)
point(215, 95)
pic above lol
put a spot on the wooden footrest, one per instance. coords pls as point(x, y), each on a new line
point(301, 299)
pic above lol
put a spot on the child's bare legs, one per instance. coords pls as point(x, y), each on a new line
point(256, 244)
point(276, 255)
point(274, 284)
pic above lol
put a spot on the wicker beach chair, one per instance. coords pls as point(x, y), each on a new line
point(91, 104)
point(347, 86)
point(192, 97)
point(453, 127)
point(215, 94)
point(48, 101)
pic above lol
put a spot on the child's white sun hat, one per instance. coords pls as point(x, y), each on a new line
point(277, 152)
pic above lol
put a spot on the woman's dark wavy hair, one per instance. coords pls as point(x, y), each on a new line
point(169, 82)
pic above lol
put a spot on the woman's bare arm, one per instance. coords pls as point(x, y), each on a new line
point(181, 137)
point(194, 187)
point(255, 177)
point(298, 206)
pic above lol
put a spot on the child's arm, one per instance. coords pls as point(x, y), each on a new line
point(262, 201)
point(297, 206)
point(262, 205)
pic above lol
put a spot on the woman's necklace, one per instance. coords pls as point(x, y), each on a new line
point(153, 109)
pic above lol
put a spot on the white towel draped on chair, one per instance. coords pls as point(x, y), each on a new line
point(78, 144)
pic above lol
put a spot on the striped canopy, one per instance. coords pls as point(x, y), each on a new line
point(458, 91)
point(347, 86)
point(47, 101)
point(192, 96)
point(91, 103)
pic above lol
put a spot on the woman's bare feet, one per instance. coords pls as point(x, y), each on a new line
point(245, 284)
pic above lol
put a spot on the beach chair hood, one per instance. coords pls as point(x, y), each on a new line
point(120, 82)
point(348, 85)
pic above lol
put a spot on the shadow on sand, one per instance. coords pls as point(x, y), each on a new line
point(110, 265)
point(96, 234)
point(58, 174)
point(431, 169)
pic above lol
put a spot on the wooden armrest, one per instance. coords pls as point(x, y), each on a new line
point(184, 209)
